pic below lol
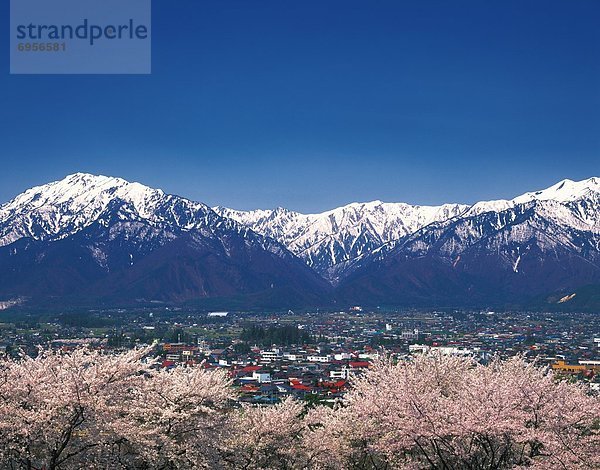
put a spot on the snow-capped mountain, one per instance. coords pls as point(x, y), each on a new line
point(62, 208)
point(330, 240)
point(95, 239)
point(334, 242)
point(499, 251)
point(564, 192)
point(105, 238)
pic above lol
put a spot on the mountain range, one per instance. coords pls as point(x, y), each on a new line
point(97, 240)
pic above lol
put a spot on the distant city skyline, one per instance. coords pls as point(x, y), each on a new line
point(315, 105)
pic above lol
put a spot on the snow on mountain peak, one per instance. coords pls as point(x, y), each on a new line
point(338, 235)
point(564, 191)
point(79, 190)
point(323, 240)
point(67, 205)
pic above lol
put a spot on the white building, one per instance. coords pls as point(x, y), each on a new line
point(443, 350)
point(342, 356)
point(410, 335)
point(322, 359)
point(261, 377)
point(293, 357)
point(218, 314)
point(344, 373)
point(270, 356)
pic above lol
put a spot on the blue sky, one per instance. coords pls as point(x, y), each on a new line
point(314, 104)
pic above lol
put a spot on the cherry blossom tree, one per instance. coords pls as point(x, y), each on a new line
point(176, 420)
point(54, 408)
point(267, 437)
point(327, 441)
point(87, 409)
point(451, 413)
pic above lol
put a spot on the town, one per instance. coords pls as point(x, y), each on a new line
point(312, 355)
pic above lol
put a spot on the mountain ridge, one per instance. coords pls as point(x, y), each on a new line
point(329, 246)
point(110, 240)
point(82, 237)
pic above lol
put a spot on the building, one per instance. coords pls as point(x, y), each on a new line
point(218, 314)
point(410, 335)
point(581, 367)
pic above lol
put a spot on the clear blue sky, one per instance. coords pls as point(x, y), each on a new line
point(316, 103)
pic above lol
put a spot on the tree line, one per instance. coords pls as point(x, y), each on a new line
point(281, 335)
